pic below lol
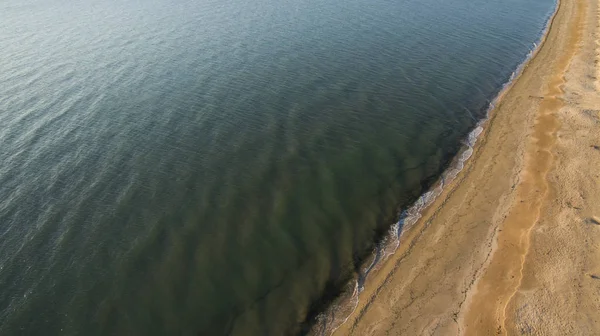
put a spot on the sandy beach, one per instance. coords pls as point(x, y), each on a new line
point(512, 246)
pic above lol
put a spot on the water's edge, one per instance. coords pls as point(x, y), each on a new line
point(343, 306)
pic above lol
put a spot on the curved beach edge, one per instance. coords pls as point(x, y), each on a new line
point(344, 307)
point(459, 251)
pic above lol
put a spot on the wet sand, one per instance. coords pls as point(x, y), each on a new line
point(512, 246)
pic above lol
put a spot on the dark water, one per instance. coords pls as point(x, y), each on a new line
point(176, 167)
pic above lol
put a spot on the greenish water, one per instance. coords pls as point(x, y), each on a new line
point(225, 167)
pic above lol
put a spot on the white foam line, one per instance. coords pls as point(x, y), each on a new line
point(412, 214)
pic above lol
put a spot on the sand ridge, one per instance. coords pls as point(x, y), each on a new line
point(503, 276)
point(510, 246)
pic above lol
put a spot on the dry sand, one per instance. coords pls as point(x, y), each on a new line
point(512, 246)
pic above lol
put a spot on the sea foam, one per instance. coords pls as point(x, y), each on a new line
point(329, 321)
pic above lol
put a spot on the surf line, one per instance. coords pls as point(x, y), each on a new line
point(408, 217)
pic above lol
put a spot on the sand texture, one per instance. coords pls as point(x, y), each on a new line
point(512, 246)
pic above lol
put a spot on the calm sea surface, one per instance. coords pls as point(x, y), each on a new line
point(177, 167)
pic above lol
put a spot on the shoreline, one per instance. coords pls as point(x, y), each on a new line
point(411, 215)
point(379, 309)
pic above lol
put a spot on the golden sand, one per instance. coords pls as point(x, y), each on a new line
point(512, 246)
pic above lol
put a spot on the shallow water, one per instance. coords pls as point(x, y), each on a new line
point(222, 167)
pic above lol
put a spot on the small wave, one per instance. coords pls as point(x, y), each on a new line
point(339, 313)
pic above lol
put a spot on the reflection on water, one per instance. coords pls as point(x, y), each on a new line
point(213, 167)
